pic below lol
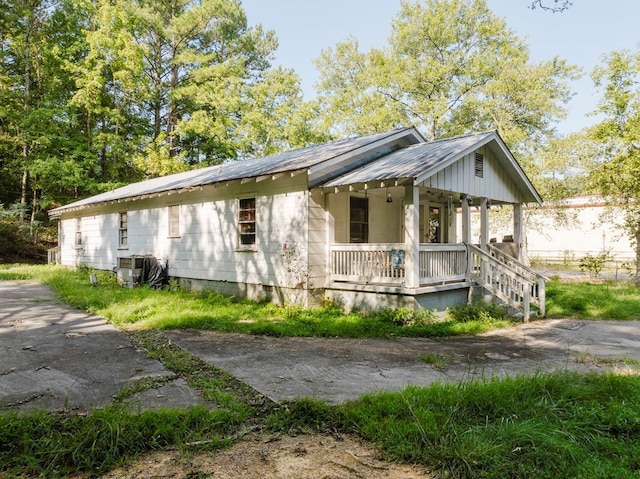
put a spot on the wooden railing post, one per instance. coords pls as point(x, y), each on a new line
point(542, 297)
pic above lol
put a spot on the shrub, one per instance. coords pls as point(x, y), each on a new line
point(408, 316)
point(478, 311)
point(594, 264)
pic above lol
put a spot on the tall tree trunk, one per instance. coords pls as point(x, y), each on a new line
point(637, 280)
point(34, 211)
point(24, 186)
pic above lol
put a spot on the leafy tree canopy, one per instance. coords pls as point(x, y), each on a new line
point(451, 67)
point(615, 173)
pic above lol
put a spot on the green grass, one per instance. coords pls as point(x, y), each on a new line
point(607, 300)
point(563, 425)
point(49, 445)
point(144, 308)
point(553, 425)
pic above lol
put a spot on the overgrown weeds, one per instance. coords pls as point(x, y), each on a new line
point(545, 425)
point(607, 300)
point(49, 445)
point(143, 308)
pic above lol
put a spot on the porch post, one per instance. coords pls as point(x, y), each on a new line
point(518, 230)
point(484, 223)
point(466, 220)
point(411, 235)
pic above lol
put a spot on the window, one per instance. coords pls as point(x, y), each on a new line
point(247, 222)
point(78, 232)
point(122, 230)
point(358, 220)
point(479, 165)
point(174, 221)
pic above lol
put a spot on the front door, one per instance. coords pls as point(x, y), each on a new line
point(432, 223)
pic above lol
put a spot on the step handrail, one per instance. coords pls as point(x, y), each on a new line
point(533, 283)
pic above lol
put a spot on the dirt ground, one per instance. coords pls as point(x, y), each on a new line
point(257, 457)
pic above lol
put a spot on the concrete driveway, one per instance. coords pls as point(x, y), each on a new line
point(337, 370)
point(58, 358)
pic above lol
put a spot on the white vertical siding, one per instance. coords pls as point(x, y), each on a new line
point(385, 219)
point(317, 238)
point(338, 204)
point(460, 177)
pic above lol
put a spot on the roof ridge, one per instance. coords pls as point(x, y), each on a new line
point(465, 135)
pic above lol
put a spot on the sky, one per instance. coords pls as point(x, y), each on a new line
point(581, 35)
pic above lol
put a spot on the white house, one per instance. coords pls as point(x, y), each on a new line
point(367, 221)
point(592, 226)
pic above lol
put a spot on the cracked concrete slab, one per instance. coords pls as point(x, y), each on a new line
point(337, 370)
point(57, 358)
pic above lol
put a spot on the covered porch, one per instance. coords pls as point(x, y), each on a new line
point(402, 225)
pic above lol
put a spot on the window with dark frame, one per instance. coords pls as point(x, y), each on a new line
point(174, 221)
point(123, 233)
point(479, 165)
point(247, 222)
point(358, 220)
point(78, 232)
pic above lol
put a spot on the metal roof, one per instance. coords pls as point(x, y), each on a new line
point(415, 162)
point(421, 161)
point(289, 161)
point(411, 162)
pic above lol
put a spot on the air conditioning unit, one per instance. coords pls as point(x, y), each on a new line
point(130, 270)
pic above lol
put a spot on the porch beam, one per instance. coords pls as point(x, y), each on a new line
point(412, 236)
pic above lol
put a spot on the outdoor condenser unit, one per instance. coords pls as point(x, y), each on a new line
point(130, 270)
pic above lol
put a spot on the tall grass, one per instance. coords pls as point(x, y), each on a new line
point(607, 300)
point(49, 445)
point(144, 308)
point(558, 425)
point(561, 425)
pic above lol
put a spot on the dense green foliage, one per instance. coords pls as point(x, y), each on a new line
point(451, 67)
point(615, 173)
point(94, 94)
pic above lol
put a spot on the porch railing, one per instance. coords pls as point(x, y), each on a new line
point(53, 255)
point(500, 274)
point(442, 263)
point(375, 263)
point(508, 279)
point(365, 263)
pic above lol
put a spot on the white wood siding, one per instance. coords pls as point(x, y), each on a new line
point(208, 245)
point(385, 219)
point(317, 249)
point(460, 177)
